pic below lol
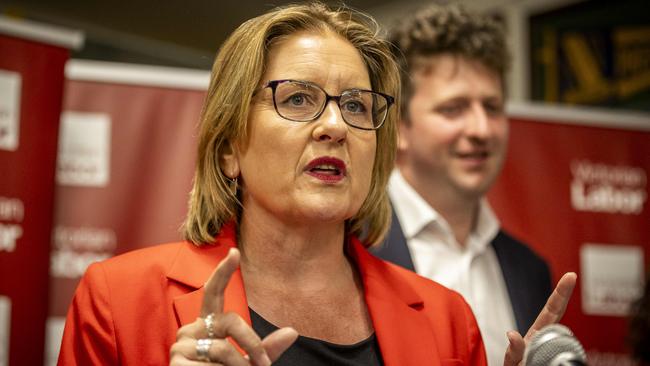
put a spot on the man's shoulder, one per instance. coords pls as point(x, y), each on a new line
point(517, 259)
point(506, 244)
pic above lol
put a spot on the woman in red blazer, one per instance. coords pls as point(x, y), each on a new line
point(296, 144)
point(128, 309)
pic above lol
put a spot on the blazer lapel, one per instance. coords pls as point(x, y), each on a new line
point(193, 267)
point(403, 332)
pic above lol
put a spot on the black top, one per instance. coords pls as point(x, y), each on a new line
point(315, 352)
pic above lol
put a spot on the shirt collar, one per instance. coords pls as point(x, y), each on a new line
point(486, 229)
point(415, 214)
point(413, 211)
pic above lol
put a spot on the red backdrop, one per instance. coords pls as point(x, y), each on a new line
point(125, 168)
point(26, 192)
point(534, 199)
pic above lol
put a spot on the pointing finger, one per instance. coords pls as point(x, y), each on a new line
point(555, 305)
point(216, 284)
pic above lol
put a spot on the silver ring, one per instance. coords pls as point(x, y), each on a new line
point(203, 349)
point(209, 323)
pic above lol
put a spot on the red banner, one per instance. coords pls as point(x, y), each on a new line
point(31, 88)
point(125, 166)
point(577, 191)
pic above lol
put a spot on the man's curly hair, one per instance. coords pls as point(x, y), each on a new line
point(448, 29)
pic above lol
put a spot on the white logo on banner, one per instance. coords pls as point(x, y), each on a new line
point(10, 86)
point(12, 212)
point(75, 248)
point(5, 326)
point(612, 278)
point(608, 188)
point(84, 149)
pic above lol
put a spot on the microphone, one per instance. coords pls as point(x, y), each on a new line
point(554, 345)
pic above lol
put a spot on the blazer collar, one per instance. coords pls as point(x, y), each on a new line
point(192, 268)
point(404, 333)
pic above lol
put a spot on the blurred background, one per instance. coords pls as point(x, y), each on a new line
point(99, 102)
point(547, 38)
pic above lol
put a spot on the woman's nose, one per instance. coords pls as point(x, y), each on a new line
point(330, 126)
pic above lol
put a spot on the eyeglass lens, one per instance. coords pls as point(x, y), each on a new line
point(300, 101)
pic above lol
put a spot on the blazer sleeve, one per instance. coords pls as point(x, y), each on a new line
point(89, 334)
point(476, 350)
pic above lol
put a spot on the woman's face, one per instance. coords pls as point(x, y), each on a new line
point(303, 172)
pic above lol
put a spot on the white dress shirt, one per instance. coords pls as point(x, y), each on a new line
point(471, 269)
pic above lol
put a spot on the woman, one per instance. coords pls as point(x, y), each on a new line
point(296, 144)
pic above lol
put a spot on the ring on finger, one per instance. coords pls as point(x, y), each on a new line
point(209, 325)
point(203, 349)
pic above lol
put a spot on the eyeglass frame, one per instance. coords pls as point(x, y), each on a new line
point(273, 84)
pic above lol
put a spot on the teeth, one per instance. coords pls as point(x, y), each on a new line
point(326, 167)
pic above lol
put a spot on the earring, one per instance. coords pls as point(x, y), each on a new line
point(233, 186)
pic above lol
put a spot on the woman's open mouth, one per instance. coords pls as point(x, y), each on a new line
point(327, 169)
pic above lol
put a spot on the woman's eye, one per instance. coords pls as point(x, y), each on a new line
point(354, 107)
point(297, 99)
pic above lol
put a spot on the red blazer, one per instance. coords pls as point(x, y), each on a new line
point(127, 309)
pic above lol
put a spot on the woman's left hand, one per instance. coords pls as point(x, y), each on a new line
point(550, 314)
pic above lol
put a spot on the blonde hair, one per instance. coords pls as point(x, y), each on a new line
point(237, 73)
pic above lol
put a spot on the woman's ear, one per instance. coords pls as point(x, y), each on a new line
point(229, 160)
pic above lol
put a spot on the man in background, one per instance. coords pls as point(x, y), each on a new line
point(453, 137)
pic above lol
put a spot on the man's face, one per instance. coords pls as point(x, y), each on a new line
point(456, 135)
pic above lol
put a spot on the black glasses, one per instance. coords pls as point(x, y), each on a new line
point(302, 101)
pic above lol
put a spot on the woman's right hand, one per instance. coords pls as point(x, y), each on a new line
point(552, 313)
point(219, 350)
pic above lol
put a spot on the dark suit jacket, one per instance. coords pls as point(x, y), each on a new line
point(526, 275)
point(127, 309)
